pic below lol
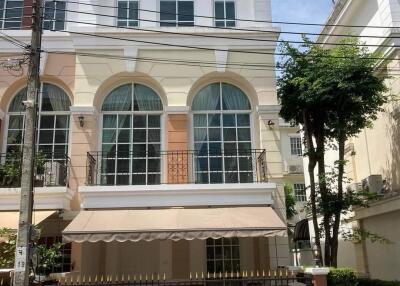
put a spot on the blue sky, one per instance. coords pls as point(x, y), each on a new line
point(309, 11)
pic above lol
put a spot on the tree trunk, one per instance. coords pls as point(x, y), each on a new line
point(311, 167)
point(337, 218)
point(320, 140)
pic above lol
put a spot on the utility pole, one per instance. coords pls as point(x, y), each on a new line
point(23, 247)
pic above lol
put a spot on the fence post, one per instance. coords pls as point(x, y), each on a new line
point(319, 275)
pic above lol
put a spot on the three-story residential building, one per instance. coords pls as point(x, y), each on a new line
point(158, 135)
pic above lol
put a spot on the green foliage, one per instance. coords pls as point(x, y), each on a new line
point(48, 257)
point(7, 247)
point(376, 282)
point(10, 170)
point(290, 201)
point(342, 277)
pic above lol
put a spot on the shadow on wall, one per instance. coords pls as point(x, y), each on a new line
point(393, 170)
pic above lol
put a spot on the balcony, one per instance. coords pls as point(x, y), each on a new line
point(50, 181)
point(176, 178)
point(176, 167)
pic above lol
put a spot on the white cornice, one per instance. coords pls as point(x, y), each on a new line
point(268, 109)
point(101, 197)
point(46, 198)
point(177, 109)
point(83, 110)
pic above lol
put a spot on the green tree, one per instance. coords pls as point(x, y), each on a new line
point(290, 201)
point(334, 94)
point(7, 248)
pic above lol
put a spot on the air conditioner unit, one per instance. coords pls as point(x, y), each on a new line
point(373, 184)
point(355, 187)
point(54, 174)
point(295, 169)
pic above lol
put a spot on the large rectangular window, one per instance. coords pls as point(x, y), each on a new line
point(11, 14)
point(176, 13)
point(223, 255)
point(225, 14)
point(300, 192)
point(295, 146)
point(128, 13)
point(54, 15)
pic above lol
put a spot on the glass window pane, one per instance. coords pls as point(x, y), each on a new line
point(139, 166)
point(214, 134)
point(216, 178)
point(139, 150)
point(200, 134)
point(167, 10)
point(154, 121)
point(16, 122)
point(208, 98)
point(214, 120)
point(61, 136)
point(154, 165)
point(124, 136)
point(62, 121)
point(124, 121)
point(109, 121)
point(54, 99)
point(109, 136)
point(233, 98)
point(133, 10)
point(120, 99)
point(146, 99)
point(200, 120)
point(229, 120)
point(139, 121)
point(122, 9)
point(154, 135)
point(244, 134)
point(153, 179)
point(185, 11)
point(229, 134)
point(47, 122)
point(154, 150)
point(139, 135)
point(243, 120)
point(219, 10)
point(60, 151)
point(139, 179)
point(14, 137)
point(46, 136)
point(231, 164)
point(216, 164)
point(230, 10)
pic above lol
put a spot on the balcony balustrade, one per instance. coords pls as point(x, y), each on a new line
point(176, 167)
point(51, 170)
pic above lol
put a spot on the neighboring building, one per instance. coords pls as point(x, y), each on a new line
point(374, 156)
point(151, 149)
point(292, 152)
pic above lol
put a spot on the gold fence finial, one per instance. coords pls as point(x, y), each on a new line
point(237, 273)
point(263, 273)
point(152, 276)
point(202, 275)
point(2, 281)
point(286, 273)
point(275, 273)
point(83, 279)
point(251, 273)
point(102, 278)
point(95, 278)
point(79, 279)
point(257, 273)
point(123, 278)
point(190, 275)
point(140, 277)
point(164, 276)
point(269, 272)
point(208, 275)
point(220, 274)
point(292, 273)
point(146, 277)
point(196, 276)
point(280, 273)
point(129, 278)
point(158, 276)
point(226, 274)
point(90, 279)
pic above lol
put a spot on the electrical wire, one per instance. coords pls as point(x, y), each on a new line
point(235, 19)
point(210, 36)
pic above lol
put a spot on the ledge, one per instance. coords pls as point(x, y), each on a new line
point(46, 198)
point(315, 271)
point(185, 195)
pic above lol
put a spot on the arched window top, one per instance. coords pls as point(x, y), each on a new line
point(52, 98)
point(220, 96)
point(132, 97)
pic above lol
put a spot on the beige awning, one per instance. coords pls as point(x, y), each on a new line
point(174, 224)
point(10, 219)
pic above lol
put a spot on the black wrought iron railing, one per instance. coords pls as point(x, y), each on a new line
point(176, 167)
point(51, 170)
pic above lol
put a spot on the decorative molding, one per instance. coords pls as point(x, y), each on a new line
point(103, 197)
point(131, 52)
point(317, 271)
point(221, 57)
point(83, 110)
point(43, 61)
point(269, 109)
point(177, 109)
point(46, 198)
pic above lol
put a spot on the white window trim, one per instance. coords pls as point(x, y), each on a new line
point(303, 197)
point(53, 22)
point(290, 145)
point(161, 113)
point(40, 113)
point(3, 16)
point(127, 19)
point(224, 20)
point(177, 22)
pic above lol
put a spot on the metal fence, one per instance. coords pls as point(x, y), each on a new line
point(176, 167)
point(281, 278)
point(50, 170)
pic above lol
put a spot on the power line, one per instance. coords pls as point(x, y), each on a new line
point(213, 36)
point(235, 19)
point(205, 48)
point(243, 29)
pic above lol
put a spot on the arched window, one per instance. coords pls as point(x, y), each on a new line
point(222, 136)
point(53, 121)
point(131, 137)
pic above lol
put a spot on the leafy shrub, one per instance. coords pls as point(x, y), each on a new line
point(342, 277)
point(376, 282)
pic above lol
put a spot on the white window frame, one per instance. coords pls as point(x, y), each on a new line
point(4, 19)
point(176, 22)
point(224, 20)
point(299, 191)
point(222, 112)
point(296, 148)
point(127, 20)
point(132, 113)
point(40, 114)
point(53, 21)
point(222, 242)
